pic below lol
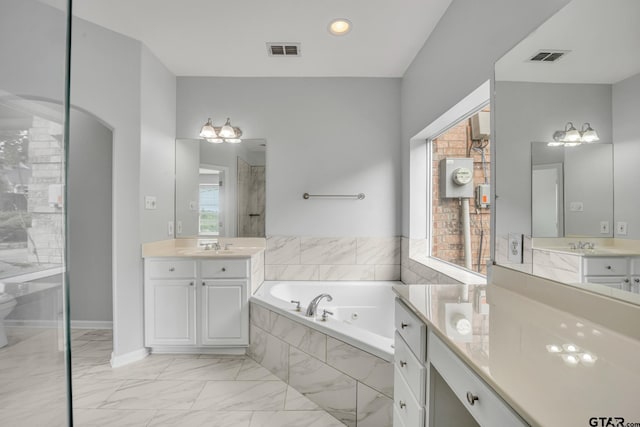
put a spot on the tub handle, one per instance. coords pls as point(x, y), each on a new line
point(324, 315)
point(403, 325)
point(402, 404)
point(403, 363)
point(297, 303)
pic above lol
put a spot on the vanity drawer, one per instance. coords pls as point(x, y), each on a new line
point(405, 405)
point(412, 329)
point(170, 269)
point(488, 409)
point(412, 370)
point(604, 266)
point(224, 268)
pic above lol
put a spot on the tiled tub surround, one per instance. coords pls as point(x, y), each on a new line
point(332, 258)
point(352, 385)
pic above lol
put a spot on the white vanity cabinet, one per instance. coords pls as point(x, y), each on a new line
point(433, 387)
point(618, 272)
point(193, 304)
point(410, 381)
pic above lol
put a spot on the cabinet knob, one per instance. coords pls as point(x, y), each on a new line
point(172, 269)
point(402, 404)
point(608, 267)
point(204, 284)
point(224, 269)
point(471, 398)
point(191, 284)
point(403, 325)
point(636, 280)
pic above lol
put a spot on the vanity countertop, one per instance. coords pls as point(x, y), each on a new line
point(522, 349)
point(596, 252)
point(239, 247)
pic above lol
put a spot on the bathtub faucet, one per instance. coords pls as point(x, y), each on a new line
point(313, 305)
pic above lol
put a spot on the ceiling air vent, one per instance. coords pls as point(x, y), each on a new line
point(548, 55)
point(283, 49)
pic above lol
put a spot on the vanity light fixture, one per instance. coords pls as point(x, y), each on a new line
point(552, 348)
point(218, 135)
point(572, 137)
point(340, 26)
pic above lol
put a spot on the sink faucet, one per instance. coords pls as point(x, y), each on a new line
point(313, 305)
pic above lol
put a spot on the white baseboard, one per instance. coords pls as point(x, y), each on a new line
point(198, 350)
point(91, 324)
point(125, 359)
point(48, 324)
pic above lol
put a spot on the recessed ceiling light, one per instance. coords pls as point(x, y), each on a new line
point(340, 27)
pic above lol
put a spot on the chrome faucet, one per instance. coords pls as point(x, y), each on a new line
point(313, 305)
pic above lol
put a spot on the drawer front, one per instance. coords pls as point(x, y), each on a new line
point(489, 409)
point(616, 282)
point(405, 405)
point(170, 269)
point(224, 269)
point(605, 266)
point(412, 329)
point(413, 372)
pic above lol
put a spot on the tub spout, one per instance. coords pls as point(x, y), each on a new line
point(313, 305)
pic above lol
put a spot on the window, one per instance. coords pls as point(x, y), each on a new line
point(209, 215)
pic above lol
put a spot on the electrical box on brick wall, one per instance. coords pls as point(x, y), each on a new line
point(456, 177)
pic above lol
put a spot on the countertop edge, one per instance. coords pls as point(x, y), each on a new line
point(467, 361)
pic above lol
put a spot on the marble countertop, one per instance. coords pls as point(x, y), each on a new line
point(239, 247)
point(552, 367)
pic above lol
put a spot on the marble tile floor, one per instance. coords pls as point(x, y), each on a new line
point(161, 390)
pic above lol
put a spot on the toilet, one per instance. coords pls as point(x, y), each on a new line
point(7, 303)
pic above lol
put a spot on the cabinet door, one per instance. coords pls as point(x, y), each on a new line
point(170, 312)
point(224, 313)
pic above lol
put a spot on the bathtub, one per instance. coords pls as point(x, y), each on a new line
point(362, 311)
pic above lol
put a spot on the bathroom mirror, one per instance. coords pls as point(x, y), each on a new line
point(588, 75)
point(571, 190)
point(220, 188)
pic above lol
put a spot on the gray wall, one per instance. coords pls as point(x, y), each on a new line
point(89, 216)
point(528, 112)
point(457, 58)
point(157, 136)
point(325, 135)
point(187, 178)
point(626, 153)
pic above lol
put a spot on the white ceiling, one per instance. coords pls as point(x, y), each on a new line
point(227, 37)
point(602, 35)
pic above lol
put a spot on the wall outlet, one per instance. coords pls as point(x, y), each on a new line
point(170, 228)
point(604, 227)
point(150, 202)
point(514, 254)
point(621, 228)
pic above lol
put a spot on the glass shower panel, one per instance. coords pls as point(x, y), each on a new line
point(34, 338)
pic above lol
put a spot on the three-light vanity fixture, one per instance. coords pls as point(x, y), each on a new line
point(220, 134)
point(572, 137)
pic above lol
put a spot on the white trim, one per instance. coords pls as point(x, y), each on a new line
point(125, 359)
point(91, 324)
point(463, 109)
point(198, 350)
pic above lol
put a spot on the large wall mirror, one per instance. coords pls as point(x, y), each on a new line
point(220, 188)
point(566, 201)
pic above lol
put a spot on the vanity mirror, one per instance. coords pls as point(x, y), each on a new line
point(220, 188)
point(571, 213)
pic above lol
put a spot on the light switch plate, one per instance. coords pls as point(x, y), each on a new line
point(514, 254)
point(576, 207)
point(621, 228)
point(604, 227)
point(170, 228)
point(150, 202)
